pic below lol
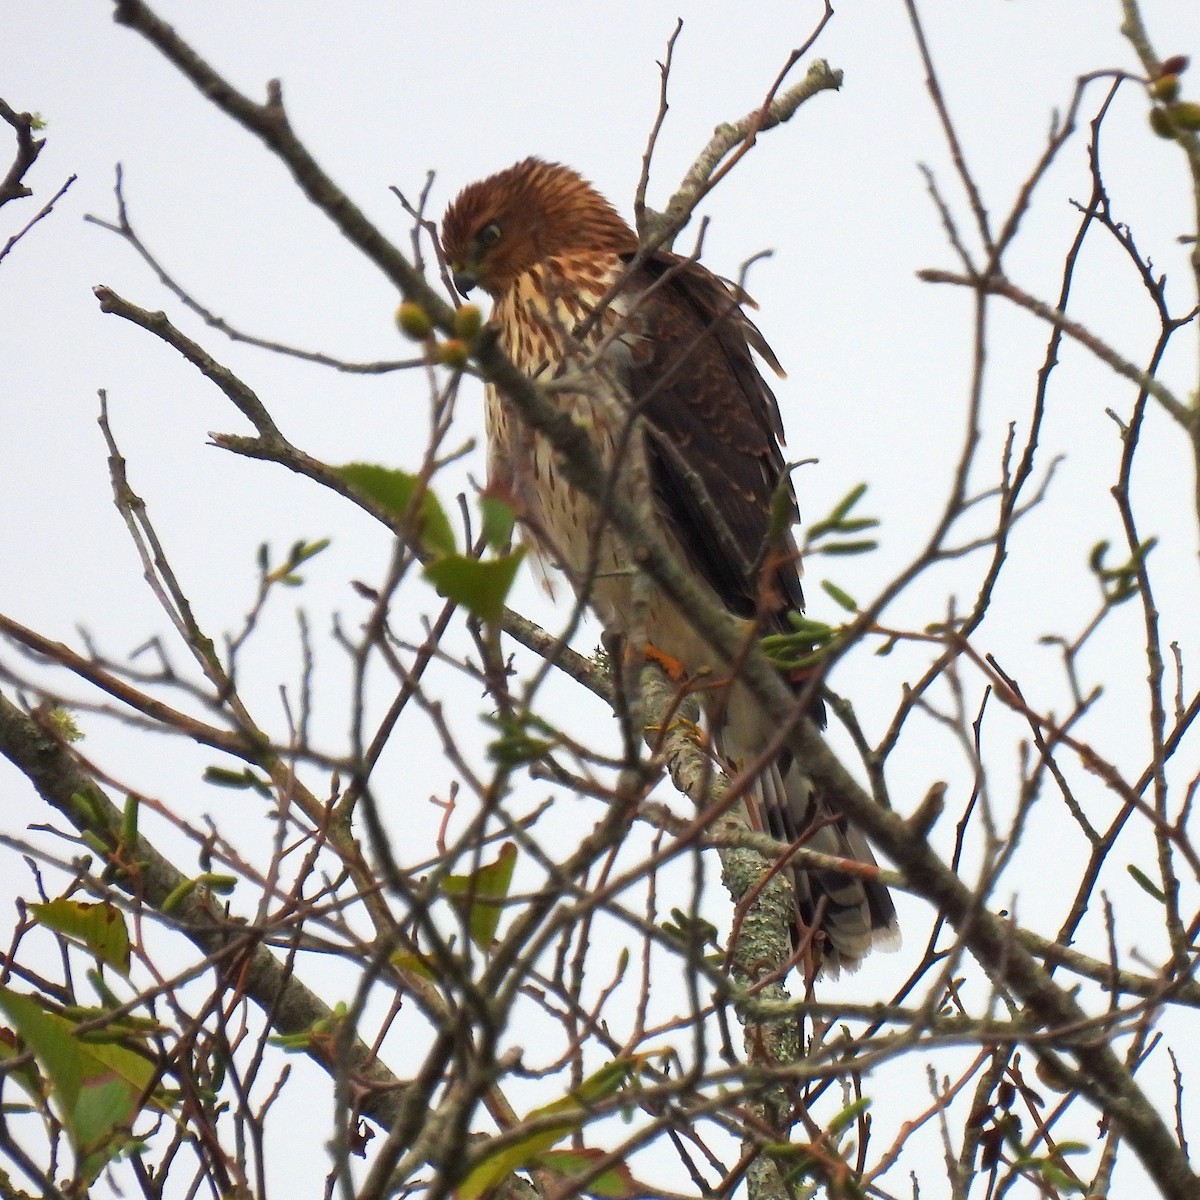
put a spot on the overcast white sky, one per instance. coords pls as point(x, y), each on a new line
point(384, 92)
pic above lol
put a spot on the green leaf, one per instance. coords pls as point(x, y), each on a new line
point(417, 964)
point(836, 521)
point(574, 1107)
point(849, 1114)
point(847, 502)
point(1118, 584)
point(1058, 1179)
point(129, 822)
point(99, 927)
point(861, 546)
point(320, 1033)
point(97, 1088)
point(600, 1085)
point(245, 778)
point(303, 551)
point(800, 649)
point(300, 553)
point(517, 745)
point(27, 1076)
point(838, 596)
point(1146, 883)
point(615, 1181)
point(479, 585)
point(395, 492)
point(50, 1040)
point(481, 894)
point(494, 1168)
point(689, 929)
point(220, 884)
point(498, 520)
point(804, 626)
point(88, 809)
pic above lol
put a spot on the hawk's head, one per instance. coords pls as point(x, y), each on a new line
point(503, 226)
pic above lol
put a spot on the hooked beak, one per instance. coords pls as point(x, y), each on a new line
point(465, 279)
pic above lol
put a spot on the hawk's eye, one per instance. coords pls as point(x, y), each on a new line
point(489, 235)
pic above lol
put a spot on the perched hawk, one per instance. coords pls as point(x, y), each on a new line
point(672, 347)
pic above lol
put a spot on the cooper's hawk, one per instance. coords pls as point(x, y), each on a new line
point(665, 342)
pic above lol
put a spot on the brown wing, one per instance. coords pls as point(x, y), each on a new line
point(715, 454)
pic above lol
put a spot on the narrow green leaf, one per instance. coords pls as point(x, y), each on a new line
point(1146, 884)
point(849, 1114)
point(223, 777)
point(804, 626)
point(479, 585)
point(689, 929)
point(834, 521)
point(86, 808)
point(394, 491)
point(312, 549)
point(858, 524)
point(221, 885)
point(99, 927)
point(300, 553)
point(108, 997)
point(245, 778)
point(320, 1033)
point(129, 821)
point(177, 896)
point(848, 501)
point(844, 599)
point(861, 546)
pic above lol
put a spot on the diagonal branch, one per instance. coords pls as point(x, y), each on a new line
point(997, 285)
point(287, 1004)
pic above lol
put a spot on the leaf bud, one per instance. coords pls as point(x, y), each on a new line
point(413, 320)
point(1185, 115)
point(453, 352)
point(1161, 123)
point(1175, 65)
point(468, 321)
point(1165, 88)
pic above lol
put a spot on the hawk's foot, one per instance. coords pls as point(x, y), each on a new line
point(675, 670)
